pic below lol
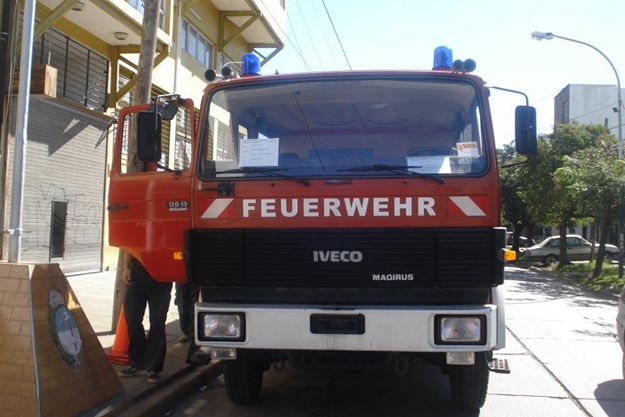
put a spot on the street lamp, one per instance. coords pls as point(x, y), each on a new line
point(539, 36)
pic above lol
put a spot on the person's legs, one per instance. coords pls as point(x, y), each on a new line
point(134, 309)
point(158, 302)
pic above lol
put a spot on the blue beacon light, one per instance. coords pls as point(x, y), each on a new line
point(442, 58)
point(250, 64)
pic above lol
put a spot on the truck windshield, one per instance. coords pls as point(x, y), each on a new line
point(344, 128)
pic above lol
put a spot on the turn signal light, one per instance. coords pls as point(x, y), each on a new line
point(509, 255)
point(178, 256)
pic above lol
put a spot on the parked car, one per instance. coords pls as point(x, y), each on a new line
point(577, 249)
point(620, 326)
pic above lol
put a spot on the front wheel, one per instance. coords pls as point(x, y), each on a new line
point(550, 260)
point(243, 378)
point(469, 383)
point(609, 257)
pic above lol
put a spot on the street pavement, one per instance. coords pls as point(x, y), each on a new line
point(140, 399)
point(561, 346)
point(571, 334)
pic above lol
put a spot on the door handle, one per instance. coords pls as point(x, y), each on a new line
point(117, 207)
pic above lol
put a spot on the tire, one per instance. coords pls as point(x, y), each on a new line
point(550, 260)
point(469, 383)
point(609, 257)
point(243, 378)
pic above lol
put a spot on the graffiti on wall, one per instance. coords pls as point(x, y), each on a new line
point(83, 224)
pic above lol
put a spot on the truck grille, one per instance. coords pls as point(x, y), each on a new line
point(346, 258)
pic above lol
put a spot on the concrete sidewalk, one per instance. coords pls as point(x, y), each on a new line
point(94, 292)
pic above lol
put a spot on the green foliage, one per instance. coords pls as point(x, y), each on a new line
point(551, 202)
point(574, 177)
point(596, 177)
point(582, 274)
point(514, 209)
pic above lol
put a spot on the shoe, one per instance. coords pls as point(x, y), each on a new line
point(153, 377)
point(130, 372)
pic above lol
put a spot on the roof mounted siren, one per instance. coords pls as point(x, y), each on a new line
point(442, 58)
point(250, 66)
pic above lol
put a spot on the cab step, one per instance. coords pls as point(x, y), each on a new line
point(499, 366)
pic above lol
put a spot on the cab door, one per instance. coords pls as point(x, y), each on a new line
point(150, 210)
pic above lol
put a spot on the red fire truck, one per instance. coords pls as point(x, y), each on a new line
point(339, 219)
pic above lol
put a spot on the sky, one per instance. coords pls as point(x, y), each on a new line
point(402, 34)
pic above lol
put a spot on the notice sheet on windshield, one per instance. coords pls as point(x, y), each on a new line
point(437, 164)
point(259, 152)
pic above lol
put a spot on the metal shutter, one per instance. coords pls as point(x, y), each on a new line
point(66, 162)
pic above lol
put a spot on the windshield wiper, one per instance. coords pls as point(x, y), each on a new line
point(261, 170)
point(398, 169)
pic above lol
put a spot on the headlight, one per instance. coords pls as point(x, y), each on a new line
point(460, 330)
point(221, 326)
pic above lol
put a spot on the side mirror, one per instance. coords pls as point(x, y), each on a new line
point(149, 136)
point(525, 130)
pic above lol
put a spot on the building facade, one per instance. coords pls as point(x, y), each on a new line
point(588, 104)
point(85, 60)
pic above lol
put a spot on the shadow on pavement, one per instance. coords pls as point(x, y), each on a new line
point(544, 285)
point(423, 392)
point(610, 396)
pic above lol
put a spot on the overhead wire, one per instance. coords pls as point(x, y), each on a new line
point(290, 23)
point(323, 33)
point(312, 42)
point(295, 48)
point(336, 34)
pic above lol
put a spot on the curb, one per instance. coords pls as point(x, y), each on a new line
point(165, 396)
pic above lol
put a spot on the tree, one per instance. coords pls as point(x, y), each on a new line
point(597, 177)
point(514, 210)
point(550, 202)
point(151, 9)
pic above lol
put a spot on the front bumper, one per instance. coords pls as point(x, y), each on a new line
point(386, 329)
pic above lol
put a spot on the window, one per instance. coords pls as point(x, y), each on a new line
point(573, 241)
point(58, 221)
point(139, 5)
point(344, 127)
point(183, 142)
point(192, 41)
point(82, 74)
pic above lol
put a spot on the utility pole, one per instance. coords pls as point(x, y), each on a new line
point(151, 10)
point(21, 133)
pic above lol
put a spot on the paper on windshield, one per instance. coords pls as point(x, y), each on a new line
point(468, 149)
point(436, 164)
point(259, 152)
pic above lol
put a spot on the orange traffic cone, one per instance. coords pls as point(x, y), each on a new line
point(118, 353)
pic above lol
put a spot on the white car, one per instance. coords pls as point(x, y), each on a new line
point(620, 325)
point(577, 248)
